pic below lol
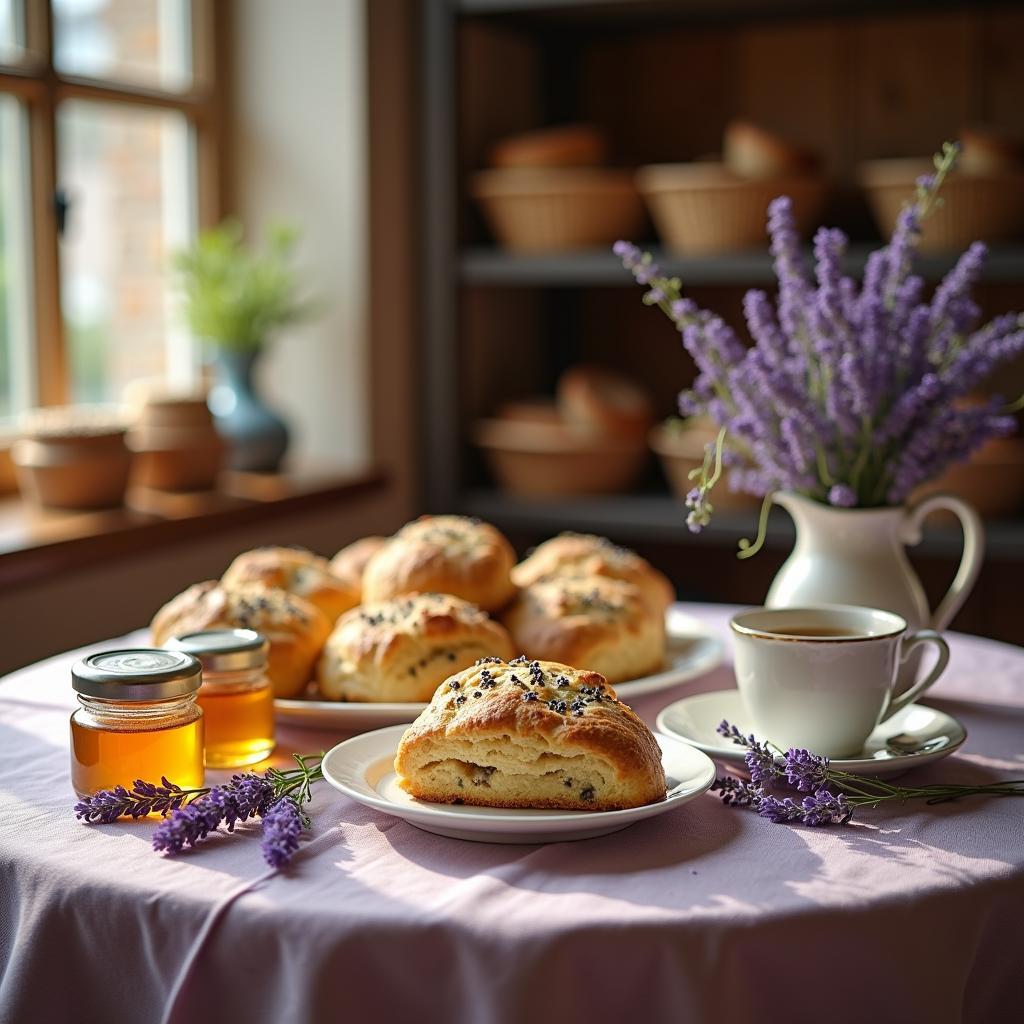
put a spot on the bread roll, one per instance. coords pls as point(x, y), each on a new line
point(752, 152)
point(350, 562)
point(598, 401)
point(400, 650)
point(295, 629)
point(989, 151)
point(583, 554)
point(298, 571)
point(570, 145)
point(443, 555)
point(530, 734)
point(600, 624)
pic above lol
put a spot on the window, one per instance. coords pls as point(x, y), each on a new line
point(109, 136)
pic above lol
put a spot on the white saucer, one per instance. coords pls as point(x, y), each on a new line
point(691, 652)
point(924, 734)
point(363, 769)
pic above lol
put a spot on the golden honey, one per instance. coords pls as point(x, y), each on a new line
point(138, 719)
point(103, 757)
point(236, 696)
point(239, 723)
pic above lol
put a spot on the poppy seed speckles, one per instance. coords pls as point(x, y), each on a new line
point(558, 705)
point(460, 700)
point(487, 681)
point(454, 685)
point(529, 695)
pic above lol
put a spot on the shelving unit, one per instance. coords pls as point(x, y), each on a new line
point(853, 78)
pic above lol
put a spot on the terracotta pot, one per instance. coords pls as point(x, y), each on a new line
point(549, 460)
point(177, 445)
point(83, 471)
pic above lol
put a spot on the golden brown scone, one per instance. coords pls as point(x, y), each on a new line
point(295, 629)
point(599, 401)
point(601, 624)
point(530, 734)
point(583, 554)
point(567, 145)
point(443, 555)
point(753, 152)
point(350, 562)
point(298, 571)
point(400, 650)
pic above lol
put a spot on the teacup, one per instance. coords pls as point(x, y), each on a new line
point(822, 678)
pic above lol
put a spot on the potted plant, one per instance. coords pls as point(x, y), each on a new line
point(849, 399)
point(235, 299)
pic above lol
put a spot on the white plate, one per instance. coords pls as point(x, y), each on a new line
point(363, 768)
point(922, 734)
point(692, 651)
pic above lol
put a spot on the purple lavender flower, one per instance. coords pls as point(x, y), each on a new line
point(190, 824)
point(823, 807)
point(842, 496)
point(282, 827)
point(761, 761)
point(807, 771)
point(738, 792)
point(107, 805)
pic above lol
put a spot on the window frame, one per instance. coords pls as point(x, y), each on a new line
point(41, 88)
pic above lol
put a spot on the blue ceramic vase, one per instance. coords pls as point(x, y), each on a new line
point(257, 437)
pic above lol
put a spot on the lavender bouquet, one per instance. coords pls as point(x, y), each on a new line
point(849, 396)
point(190, 815)
point(831, 796)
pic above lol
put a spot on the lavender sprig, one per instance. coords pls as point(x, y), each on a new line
point(833, 795)
point(190, 815)
point(851, 397)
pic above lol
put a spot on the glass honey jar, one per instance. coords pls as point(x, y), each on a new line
point(137, 719)
point(236, 696)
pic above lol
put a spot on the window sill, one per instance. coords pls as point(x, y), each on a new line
point(36, 543)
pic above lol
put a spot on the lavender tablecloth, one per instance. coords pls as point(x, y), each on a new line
point(706, 913)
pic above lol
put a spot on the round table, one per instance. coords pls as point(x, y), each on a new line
point(911, 913)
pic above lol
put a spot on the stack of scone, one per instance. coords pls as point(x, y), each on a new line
point(389, 619)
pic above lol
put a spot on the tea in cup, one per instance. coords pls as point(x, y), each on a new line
point(823, 678)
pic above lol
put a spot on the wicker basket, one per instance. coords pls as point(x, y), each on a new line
point(549, 209)
point(988, 207)
point(537, 459)
point(682, 449)
point(702, 208)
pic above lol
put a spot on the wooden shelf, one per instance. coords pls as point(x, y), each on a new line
point(635, 518)
point(35, 542)
point(602, 268)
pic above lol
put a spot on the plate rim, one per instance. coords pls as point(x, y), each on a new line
point(679, 626)
point(515, 816)
point(735, 754)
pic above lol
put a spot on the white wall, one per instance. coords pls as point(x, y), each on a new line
point(299, 155)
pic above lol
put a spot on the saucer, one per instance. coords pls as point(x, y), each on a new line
point(363, 768)
point(915, 735)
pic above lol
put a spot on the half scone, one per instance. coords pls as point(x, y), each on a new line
point(400, 650)
point(602, 624)
point(530, 734)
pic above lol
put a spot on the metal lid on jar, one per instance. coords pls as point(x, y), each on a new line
point(223, 650)
point(137, 674)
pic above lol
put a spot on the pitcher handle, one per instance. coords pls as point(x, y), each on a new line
point(970, 560)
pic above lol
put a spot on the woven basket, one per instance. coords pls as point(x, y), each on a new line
point(549, 209)
point(988, 207)
point(702, 208)
point(549, 460)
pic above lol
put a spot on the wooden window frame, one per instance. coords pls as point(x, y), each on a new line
point(37, 83)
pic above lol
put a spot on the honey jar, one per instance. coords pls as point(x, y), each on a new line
point(137, 719)
point(236, 696)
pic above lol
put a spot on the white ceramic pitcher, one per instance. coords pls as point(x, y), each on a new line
point(856, 556)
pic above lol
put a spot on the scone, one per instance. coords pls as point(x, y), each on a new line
point(350, 562)
point(295, 629)
point(443, 555)
point(530, 734)
point(583, 554)
point(400, 650)
point(600, 624)
point(298, 571)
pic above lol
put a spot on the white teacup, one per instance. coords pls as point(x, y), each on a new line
point(823, 677)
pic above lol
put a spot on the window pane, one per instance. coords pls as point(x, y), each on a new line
point(16, 392)
point(126, 173)
point(12, 30)
point(146, 42)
